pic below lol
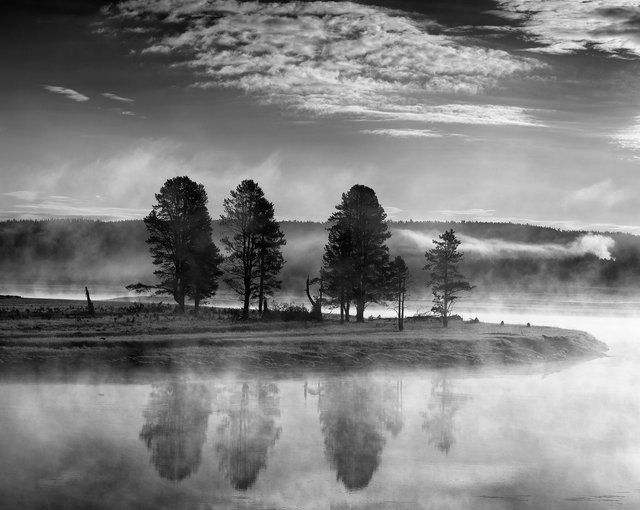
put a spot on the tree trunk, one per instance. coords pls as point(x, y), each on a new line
point(360, 309)
point(196, 305)
point(261, 286)
point(347, 309)
point(400, 309)
point(180, 300)
point(247, 298)
point(342, 306)
point(90, 309)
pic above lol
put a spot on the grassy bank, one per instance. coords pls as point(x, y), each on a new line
point(44, 334)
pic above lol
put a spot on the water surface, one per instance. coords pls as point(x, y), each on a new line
point(557, 436)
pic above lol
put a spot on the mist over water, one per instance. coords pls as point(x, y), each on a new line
point(559, 436)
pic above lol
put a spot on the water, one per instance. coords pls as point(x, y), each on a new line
point(546, 437)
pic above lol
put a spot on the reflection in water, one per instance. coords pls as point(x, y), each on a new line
point(247, 431)
point(175, 428)
point(438, 421)
point(353, 415)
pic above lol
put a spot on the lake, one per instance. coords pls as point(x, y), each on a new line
point(557, 436)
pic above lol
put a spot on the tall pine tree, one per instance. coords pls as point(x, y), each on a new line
point(356, 256)
point(179, 228)
point(445, 279)
point(253, 242)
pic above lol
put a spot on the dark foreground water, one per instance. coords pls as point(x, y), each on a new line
point(547, 437)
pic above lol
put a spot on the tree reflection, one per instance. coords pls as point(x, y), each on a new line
point(354, 415)
point(438, 421)
point(246, 433)
point(175, 428)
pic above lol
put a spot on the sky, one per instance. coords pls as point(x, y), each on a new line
point(505, 110)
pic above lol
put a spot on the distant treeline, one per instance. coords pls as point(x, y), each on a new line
point(498, 256)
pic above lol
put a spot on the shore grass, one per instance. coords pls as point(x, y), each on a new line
point(57, 334)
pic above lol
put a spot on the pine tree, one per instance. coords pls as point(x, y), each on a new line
point(356, 256)
point(270, 259)
point(399, 275)
point(253, 243)
point(179, 228)
point(445, 279)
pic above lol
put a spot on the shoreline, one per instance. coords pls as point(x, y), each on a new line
point(41, 337)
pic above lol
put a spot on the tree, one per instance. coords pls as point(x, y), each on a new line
point(445, 279)
point(270, 259)
point(253, 242)
point(399, 274)
point(337, 269)
point(179, 228)
point(356, 255)
point(205, 270)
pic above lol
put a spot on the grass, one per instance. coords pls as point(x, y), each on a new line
point(41, 334)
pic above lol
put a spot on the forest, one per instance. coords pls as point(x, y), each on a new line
point(497, 256)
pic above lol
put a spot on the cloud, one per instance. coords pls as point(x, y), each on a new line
point(332, 58)
point(588, 244)
point(603, 193)
point(628, 138)
point(115, 97)
point(63, 209)
point(25, 195)
point(562, 26)
point(466, 212)
point(69, 93)
point(403, 133)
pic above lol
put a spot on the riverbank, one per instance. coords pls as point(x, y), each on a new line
point(35, 334)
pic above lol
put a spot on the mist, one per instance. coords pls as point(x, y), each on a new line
point(58, 258)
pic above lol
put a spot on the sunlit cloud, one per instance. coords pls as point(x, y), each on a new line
point(403, 133)
point(333, 58)
point(68, 93)
point(628, 138)
point(562, 26)
point(115, 97)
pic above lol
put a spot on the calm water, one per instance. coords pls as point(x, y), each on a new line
point(547, 437)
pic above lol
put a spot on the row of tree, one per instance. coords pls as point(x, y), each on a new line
point(356, 266)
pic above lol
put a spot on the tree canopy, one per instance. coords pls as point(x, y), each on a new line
point(356, 257)
point(253, 241)
point(179, 228)
point(445, 279)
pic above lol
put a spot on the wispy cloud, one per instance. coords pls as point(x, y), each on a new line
point(333, 58)
point(27, 195)
point(115, 97)
point(603, 193)
point(466, 212)
point(403, 133)
point(68, 93)
point(562, 26)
